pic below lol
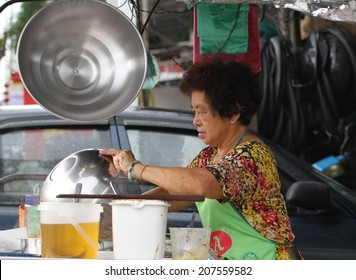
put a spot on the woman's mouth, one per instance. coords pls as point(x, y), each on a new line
point(201, 134)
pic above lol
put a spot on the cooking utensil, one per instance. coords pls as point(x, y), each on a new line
point(192, 222)
point(86, 175)
point(165, 197)
point(82, 60)
point(81, 172)
point(78, 190)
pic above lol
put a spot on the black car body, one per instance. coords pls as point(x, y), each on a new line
point(33, 141)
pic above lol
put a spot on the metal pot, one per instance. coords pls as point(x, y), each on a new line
point(82, 59)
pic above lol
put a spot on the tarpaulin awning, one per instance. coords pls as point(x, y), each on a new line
point(335, 10)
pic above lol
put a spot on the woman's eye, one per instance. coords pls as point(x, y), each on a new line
point(198, 112)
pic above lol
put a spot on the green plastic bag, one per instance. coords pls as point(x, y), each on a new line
point(222, 28)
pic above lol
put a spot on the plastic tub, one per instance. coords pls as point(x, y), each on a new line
point(69, 230)
point(139, 229)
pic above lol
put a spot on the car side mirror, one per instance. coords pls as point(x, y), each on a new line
point(309, 195)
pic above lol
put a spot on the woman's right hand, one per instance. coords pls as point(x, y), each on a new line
point(122, 159)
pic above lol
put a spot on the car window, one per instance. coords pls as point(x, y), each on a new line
point(37, 151)
point(164, 148)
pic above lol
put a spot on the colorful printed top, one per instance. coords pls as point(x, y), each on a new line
point(249, 178)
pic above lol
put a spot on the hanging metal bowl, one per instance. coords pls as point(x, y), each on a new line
point(82, 60)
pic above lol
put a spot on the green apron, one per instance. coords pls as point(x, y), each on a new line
point(232, 237)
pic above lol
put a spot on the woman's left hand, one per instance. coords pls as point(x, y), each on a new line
point(122, 159)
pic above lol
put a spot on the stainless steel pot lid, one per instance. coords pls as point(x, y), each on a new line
point(82, 60)
point(84, 169)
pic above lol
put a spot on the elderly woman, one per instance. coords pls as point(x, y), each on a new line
point(236, 172)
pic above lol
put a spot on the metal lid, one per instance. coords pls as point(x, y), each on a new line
point(86, 168)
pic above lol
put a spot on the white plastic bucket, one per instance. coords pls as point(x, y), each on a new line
point(139, 229)
point(69, 230)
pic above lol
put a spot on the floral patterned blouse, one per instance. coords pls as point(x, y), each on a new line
point(249, 178)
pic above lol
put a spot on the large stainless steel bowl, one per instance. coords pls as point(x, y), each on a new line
point(82, 60)
point(82, 172)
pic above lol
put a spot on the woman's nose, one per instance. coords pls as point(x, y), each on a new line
point(196, 121)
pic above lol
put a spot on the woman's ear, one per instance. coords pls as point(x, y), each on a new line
point(235, 118)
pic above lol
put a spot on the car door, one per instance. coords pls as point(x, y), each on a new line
point(322, 211)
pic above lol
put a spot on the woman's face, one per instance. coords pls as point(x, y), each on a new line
point(210, 126)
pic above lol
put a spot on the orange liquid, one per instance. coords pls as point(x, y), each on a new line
point(64, 241)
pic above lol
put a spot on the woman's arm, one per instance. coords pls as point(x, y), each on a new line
point(180, 180)
point(174, 180)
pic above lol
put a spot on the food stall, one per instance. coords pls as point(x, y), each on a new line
point(47, 71)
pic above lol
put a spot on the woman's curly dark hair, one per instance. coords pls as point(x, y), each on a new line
point(230, 87)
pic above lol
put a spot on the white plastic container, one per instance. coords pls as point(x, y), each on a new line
point(190, 243)
point(69, 230)
point(139, 229)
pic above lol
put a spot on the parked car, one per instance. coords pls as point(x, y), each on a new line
point(33, 141)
